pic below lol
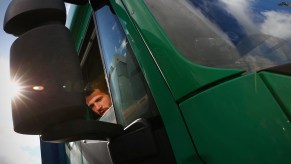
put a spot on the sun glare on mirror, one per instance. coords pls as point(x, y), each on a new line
point(15, 89)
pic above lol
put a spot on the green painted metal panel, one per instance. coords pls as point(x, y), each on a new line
point(179, 137)
point(280, 87)
point(239, 122)
point(80, 23)
point(181, 75)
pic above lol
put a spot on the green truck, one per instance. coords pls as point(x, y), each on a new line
point(191, 81)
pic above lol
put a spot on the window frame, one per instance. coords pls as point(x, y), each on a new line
point(154, 112)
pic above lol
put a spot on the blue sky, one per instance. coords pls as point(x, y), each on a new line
point(15, 148)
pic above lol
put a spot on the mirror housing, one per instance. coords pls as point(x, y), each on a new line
point(45, 63)
point(45, 56)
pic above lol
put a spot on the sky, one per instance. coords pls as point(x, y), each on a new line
point(15, 148)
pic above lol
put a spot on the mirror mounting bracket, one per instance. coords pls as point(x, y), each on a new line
point(81, 130)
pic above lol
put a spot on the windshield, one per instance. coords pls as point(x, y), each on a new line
point(247, 34)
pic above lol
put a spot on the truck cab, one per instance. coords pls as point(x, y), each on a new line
point(189, 81)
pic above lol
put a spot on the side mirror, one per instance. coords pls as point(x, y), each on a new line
point(44, 60)
point(45, 57)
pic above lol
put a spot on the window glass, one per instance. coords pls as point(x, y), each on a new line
point(97, 94)
point(128, 89)
point(74, 153)
point(247, 34)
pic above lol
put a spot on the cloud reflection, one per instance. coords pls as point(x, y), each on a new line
point(277, 24)
point(241, 10)
point(271, 20)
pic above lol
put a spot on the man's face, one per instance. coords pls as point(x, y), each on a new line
point(99, 102)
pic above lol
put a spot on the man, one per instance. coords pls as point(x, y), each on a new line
point(97, 97)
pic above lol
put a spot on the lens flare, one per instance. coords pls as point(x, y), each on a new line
point(15, 89)
point(38, 88)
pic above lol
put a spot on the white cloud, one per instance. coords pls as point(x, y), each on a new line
point(277, 24)
point(15, 148)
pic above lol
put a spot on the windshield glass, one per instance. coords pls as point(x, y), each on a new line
point(247, 34)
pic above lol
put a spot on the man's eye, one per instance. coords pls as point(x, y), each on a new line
point(98, 99)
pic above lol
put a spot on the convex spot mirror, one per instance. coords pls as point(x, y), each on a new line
point(24, 15)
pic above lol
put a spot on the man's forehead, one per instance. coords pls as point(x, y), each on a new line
point(97, 92)
point(94, 95)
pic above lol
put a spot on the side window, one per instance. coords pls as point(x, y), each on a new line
point(131, 99)
point(97, 93)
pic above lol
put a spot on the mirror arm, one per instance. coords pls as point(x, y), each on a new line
point(81, 130)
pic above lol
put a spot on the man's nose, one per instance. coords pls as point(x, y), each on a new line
point(97, 106)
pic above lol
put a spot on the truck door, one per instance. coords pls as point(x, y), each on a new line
point(107, 53)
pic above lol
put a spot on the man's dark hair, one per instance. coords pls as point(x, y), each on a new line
point(98, 83)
